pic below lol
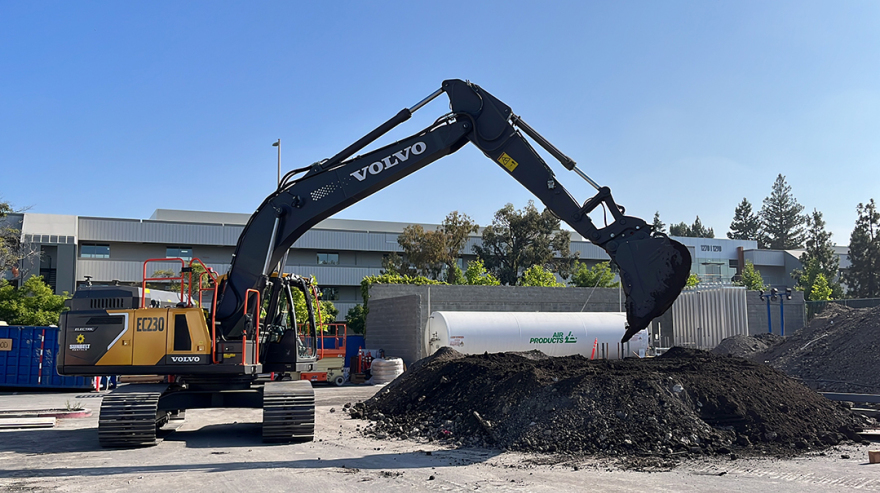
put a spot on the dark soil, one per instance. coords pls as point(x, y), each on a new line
point(686, 402)
point(747, 347)
point(839, 351)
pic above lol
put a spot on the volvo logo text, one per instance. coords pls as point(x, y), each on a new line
point(185, 359)
point(390, 161)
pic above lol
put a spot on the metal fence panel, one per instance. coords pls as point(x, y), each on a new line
point(702, 317)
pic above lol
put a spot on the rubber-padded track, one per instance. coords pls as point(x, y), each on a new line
point(288, 412)
point(128, 418)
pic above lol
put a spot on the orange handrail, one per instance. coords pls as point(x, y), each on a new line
point(340, 342)
point(209, 271)
point(214, 328)
point(257, 333)
point(145, 278)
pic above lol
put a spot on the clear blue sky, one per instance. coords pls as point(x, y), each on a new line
point(119, 108)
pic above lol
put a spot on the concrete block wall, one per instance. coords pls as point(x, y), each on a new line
point(396, 319)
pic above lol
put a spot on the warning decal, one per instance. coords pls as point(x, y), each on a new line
point(507, 162)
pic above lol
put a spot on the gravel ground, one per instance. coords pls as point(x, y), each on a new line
point(208, 451)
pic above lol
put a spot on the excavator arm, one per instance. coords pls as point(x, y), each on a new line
point(653, 268)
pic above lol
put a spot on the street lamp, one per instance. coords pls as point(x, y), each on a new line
point(773, 295)
point(278, 145)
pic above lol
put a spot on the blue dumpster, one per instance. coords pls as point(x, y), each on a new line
point(27, 359)
point(353, 343)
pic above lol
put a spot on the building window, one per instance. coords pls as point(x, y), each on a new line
point(328, 258)
point(713, 271)
point(91, 250)
point(330, 293)
point(186, 253)
point(733, 263)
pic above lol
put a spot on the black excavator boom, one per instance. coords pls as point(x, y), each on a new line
point(653, 268)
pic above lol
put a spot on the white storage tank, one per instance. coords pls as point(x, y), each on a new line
point(552, 333)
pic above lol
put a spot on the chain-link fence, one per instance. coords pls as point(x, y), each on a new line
point(814, 308)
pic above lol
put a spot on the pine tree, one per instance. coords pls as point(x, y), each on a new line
point(659, 226)
point(781, 220)
point(746, 225)
point(695, 230)
point(863, 276)
point(700, 231)
point(680, 229)
point(819, 259)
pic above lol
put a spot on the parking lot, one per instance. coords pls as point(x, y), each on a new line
point(221, 449)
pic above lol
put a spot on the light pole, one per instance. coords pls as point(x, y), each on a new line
point(773, 295)
point(278, 145)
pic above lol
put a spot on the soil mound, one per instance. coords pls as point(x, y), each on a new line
point(836, 352)
point(747, 346)
point(685, 402)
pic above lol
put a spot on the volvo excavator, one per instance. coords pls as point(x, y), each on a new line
point(220, 333)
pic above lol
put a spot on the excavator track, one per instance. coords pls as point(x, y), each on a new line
point(288, 412)
point(129, 417)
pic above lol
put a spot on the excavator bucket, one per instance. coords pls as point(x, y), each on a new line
point(653, 271)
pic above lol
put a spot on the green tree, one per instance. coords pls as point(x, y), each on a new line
point(819, 258)
point(455, 276)
point(329, 311)
point(31, 304)
point(325, 311)
point(430, 253)
point(539, 276)
point(597, 276)
point(751, 278)
point(13, 251)
point(356, 319)
point(659, 226)
point(820, 291)
point(782, 223)
point(863, 276)
point(695, 230)
point(746, 225)
point(692, 281)
point(519, 239)
point(476, 275)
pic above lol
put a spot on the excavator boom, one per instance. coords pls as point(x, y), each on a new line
point(653, 268)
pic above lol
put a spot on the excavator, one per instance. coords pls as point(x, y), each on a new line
point(213, 350)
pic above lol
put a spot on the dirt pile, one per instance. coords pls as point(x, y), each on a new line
point(839, 351)
point(685, 402)
point(747, 346)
